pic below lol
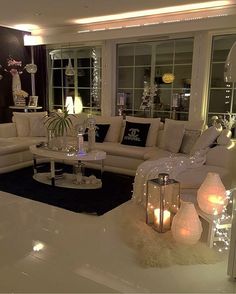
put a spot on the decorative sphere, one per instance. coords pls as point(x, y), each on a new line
point(31, 68)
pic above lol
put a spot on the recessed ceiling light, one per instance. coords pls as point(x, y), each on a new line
point(151, 12)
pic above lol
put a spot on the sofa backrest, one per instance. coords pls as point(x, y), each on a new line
point(8, 130)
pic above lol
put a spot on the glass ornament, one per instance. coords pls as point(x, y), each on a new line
point(31, 68)
point(69, 69)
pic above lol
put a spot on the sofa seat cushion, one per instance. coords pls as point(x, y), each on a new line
point(123, 150)
point(17, 144)
point(193, 178)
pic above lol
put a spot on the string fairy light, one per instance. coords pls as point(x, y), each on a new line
point(95, 84)
point(222, 226)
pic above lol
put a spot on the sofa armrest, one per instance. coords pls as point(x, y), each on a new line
point(221, 156)
point(8, 130)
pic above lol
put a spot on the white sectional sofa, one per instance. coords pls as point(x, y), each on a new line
point(177, 138)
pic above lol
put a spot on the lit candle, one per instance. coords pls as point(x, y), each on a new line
point(166, 218)
point(150, 215)
point(217, 202)
point(184, 232)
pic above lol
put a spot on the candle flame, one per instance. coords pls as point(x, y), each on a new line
point(184, 232)
point(216, 199)
point(166, 216)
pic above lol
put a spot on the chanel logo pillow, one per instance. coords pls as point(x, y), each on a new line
point(135, 134)
point(100, 132)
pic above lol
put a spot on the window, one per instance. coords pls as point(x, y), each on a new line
point(222, 95)
point(75, 72)
point(154, 78)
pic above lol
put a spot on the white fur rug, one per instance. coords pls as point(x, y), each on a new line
point(161, 250)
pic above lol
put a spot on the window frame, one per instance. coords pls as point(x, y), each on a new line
point(172, 112)
point(95, 82)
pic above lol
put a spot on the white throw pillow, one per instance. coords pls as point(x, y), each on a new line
point(207, 138)
point(22, 120)
point(155, 124)
point(114, 131)
point(189, 139)
point(224, 138)
point(22, 124)
point(37, 126)
point(173, 135)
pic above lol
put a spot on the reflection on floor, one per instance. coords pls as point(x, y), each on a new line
point(48, 249)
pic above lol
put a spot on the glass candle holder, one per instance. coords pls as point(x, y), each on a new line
point(162, 202)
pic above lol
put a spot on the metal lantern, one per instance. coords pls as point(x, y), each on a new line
point(163, 202)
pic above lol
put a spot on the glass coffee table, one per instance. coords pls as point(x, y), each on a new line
point(77, 180)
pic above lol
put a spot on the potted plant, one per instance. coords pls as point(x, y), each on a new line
point(58, 124)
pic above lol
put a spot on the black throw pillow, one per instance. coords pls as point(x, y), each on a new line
point(85, 135)
point(135, 134)
point(100, 132)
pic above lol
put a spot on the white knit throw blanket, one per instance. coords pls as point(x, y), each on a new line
point(172, 165)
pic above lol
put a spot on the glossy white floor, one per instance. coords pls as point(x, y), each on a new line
point(47, 249)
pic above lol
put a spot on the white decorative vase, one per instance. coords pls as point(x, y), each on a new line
point(91, 125)
point(16, 82)
point(211, 196)
point(50, 138)
point(91, 139)
point(16, 85)
point(186, 226)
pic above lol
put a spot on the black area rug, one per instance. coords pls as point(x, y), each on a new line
point(116, 189)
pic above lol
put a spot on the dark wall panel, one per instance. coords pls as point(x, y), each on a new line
point(12, 45)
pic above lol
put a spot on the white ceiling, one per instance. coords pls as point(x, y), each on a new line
point(55, 19)
point(60, 13)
